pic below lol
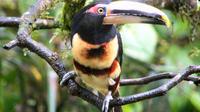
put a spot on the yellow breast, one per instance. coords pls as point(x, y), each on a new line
point(80, 50)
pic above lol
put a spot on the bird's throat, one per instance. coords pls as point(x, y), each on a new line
point(97, 34)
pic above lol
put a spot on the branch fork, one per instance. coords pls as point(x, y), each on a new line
point(24, 40)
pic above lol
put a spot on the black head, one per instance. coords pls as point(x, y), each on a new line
point(88, 23)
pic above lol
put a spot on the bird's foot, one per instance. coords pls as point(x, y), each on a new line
point(106, 102)
point(67, 76)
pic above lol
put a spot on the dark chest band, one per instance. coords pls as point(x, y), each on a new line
point(92, 71)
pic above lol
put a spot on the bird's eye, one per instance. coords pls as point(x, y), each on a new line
point(100, 10)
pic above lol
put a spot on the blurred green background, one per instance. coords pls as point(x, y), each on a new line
point(28, 84)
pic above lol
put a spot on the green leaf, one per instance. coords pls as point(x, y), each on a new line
point(177, 59)
point(195, 100)
point(139, 41)
point(24, 5)
point(175, 99)
point(1, 96)
point(136, 107)
point(198, 5)
point(179, 26)
point(179, 96)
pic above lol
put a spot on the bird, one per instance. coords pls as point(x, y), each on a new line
point(97, 45)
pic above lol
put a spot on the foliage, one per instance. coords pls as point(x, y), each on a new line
point(24, 76)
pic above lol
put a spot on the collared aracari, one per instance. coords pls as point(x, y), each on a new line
point(96, 42)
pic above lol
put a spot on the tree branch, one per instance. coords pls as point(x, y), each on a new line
point(26, 26)
point(151, 78)
point(11, 44)
point(24, 40)
point(158, 91)
point(39, 24)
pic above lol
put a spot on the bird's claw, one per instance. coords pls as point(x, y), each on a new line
point(67, 76)
point(106, 102)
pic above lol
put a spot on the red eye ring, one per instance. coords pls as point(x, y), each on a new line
point(99, 9)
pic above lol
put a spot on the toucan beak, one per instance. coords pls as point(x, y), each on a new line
point(124, 12)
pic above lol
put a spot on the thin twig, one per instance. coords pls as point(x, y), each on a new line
point(39, 24)
point(11, 44)
point(158, 91)
point(151, 78)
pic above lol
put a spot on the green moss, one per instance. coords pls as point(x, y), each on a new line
point(69, 10)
